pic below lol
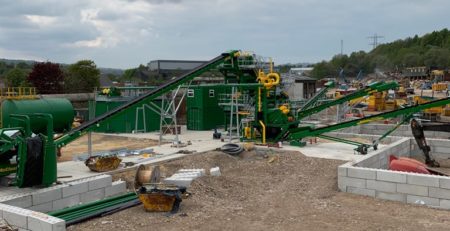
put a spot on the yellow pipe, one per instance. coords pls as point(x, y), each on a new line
point(264, 132)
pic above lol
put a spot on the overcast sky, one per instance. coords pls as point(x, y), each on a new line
point(126, 33)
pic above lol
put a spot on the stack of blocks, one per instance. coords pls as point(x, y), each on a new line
point(23, 205)
point(370, 177)
point(30, 220)
point(184, 177)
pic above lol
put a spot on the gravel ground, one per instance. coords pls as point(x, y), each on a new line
point(103, 142)
point(272, 191)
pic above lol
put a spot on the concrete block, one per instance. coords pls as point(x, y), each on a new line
point(44, 208)
point(342, 171)
point(421, 179)
point(116, 188)
point(352, 182)
point(364, 173)
point(46, 195)
point(75, 188)
point(214, 171)
point(193, 175)
point(16, 216)
point(439, 193)
point(94, 195)
point(361, 191)
point(101, 181)
point(66, 202)
point(440, 149)
point(412, 189)
point(444, 182)
point(444, 204)
point(43, 222)
point(382, 186)
point(391, 176)
point(181, 182)
point(418, 200)
point(22, 202)
point(200, 170)
point(391, 196)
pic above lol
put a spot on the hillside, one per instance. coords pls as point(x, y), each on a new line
point(431, 50)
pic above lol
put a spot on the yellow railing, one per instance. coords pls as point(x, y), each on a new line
point(18, 93)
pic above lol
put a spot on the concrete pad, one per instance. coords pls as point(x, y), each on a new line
point(336, 151)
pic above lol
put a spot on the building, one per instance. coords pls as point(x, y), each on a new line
point(301, 70)
point(299, 87)
point(415, 73)
point(171, 66)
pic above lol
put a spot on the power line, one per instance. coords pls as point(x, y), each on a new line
point(375, 38)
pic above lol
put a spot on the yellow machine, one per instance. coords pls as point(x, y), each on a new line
point(433, 110)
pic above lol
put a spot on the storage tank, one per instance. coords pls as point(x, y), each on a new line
point(61, 110)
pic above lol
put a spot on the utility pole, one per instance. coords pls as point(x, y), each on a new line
point(375, 38)
point(342, 47)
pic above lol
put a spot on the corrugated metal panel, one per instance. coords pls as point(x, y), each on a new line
point(125, 122)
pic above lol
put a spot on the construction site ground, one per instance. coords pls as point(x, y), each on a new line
point(271, 190)
point(103, 142)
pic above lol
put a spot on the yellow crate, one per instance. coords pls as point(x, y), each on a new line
point(439, 87)
point(446, 111)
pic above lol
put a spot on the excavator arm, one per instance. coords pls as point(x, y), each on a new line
point(418, 128)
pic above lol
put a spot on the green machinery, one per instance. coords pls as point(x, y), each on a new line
point(28, 146)
point(270, 118)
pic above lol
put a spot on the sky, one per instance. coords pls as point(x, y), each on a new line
point(126, 33)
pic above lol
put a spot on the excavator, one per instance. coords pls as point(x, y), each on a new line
point(418, 127)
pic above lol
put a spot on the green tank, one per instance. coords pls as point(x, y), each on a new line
point(61, 110)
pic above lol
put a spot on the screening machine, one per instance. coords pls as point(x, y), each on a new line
point(28, 147)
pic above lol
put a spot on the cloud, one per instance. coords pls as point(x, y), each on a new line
point(124, 33)
point(41, 20)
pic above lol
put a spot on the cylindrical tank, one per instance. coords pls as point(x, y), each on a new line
point(61, 110)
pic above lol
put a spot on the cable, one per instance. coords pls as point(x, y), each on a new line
point(232, 149)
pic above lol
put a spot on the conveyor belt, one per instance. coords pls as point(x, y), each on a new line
point(302, 132)
point(151, 95)
point(374, 87)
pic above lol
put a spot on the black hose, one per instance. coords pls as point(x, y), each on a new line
point(232, 149)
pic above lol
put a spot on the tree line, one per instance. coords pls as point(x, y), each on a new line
point(52, 78)
point(431, 50)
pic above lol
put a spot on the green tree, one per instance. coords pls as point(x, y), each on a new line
point(16, 78)
point(322, 70)
point(437, 57)
point(129, 74)
point(412, 60)
point(83, 76)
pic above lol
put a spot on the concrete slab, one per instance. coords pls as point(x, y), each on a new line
point(337, 151)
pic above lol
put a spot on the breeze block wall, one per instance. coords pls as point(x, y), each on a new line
point(20, 209)
point(370, 176)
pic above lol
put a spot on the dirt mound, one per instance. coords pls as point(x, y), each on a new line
point(271, 190)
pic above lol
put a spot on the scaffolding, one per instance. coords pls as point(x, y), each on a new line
point(168, 114)
point(241, 111)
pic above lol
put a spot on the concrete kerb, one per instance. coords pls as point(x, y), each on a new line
point(369, 176)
